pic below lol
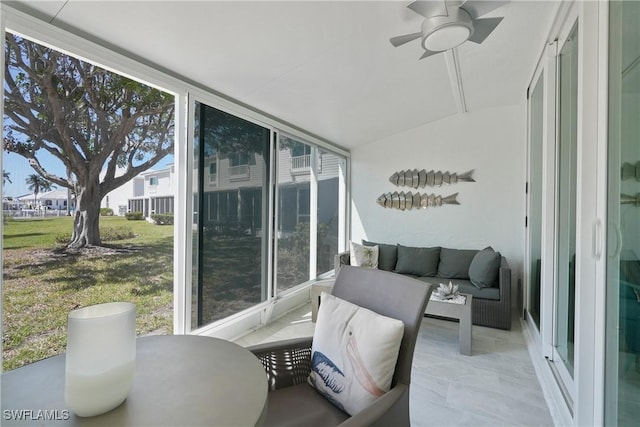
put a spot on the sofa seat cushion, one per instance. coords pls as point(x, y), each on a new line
point(465, 287)
point(301, 405)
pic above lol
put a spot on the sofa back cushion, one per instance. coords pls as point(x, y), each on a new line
point(363, 256)
point(418, 261)
point(484, 269)
point(455, 263)
point(387, 255)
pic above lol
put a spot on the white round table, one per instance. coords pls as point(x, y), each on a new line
point(180, 380)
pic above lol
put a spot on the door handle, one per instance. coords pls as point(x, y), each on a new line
point(597, 239)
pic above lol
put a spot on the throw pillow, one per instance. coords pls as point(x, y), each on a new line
point(354, 353)
point(483, 271)
point(363, 256)
point(417, 261)
point(454, 263)
point(387, 255)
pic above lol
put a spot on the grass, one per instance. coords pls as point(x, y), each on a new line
point(42, 285)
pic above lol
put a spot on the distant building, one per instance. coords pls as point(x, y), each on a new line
point(232, 188)
point(50, 200)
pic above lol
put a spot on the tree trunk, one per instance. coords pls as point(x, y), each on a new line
point(86, 222)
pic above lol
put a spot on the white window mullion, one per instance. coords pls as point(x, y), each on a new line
point(313, 214)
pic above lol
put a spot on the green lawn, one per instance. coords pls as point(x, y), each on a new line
point(41, 285)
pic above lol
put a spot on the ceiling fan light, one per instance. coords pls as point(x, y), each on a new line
point(446, 37)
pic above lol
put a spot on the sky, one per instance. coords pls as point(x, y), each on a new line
point(19, 169)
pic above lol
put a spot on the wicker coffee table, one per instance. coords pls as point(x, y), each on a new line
point(462, 312)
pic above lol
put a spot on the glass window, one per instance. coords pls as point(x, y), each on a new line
point(566, 201)
point(238, 159)
point(536, 141)
point(328, 209)
point(37, 292)
point(308, 207)
point(153, 180)
point(622, 358)
point(230, 249)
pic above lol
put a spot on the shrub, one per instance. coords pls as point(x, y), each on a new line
point(109, 234)
point(162, 219)
point(106, 212)
point(134, 216)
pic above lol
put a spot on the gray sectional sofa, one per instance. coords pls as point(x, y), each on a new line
point(485, 274)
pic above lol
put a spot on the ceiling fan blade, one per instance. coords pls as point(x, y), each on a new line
point(400, 40)
point(482, 28)
point(427, 53)
point(478, 8)
point(429, 8)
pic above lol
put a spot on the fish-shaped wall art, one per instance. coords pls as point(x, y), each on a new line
point(408, 200)
point(414, 178)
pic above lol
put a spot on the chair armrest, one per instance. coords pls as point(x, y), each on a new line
point(382, 412)
point(286, 362)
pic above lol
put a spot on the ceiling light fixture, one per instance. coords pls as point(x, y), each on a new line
point(446, 32)
point(450, 23)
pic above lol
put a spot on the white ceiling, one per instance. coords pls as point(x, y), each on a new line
point(325, 66)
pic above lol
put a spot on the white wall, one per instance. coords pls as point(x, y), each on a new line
point(491, 210)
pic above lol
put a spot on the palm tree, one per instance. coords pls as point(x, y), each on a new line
point(5, 177)
point(37, 183)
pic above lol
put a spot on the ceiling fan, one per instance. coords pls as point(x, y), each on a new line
point(448, 24)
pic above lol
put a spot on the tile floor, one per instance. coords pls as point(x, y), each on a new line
point(496, 386)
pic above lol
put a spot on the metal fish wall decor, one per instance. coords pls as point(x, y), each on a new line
point(408, 201)
point(415, 178)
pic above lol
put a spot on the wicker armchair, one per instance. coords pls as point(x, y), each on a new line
point(292, 402)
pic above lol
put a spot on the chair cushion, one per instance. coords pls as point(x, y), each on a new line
point(363, 256)
point(301, 405)
point(483, 271)
point(454, 263)
point(418, 261)
point(387, 255)
point(354, 353)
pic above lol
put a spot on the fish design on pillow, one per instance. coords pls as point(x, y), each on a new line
point(331, 375)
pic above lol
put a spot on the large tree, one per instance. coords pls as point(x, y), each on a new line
point(6, 177)
point(103, 127)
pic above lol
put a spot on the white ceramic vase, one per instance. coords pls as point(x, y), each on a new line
point(100, 358)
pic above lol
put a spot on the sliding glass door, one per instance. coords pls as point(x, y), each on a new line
point(534, 200)
point(230, 230)
point(307, 214)
point(566, 190)
point(622, 375)
point(266, 213)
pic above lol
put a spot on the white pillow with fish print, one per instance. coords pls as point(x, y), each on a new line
point(363, 256)
point(354, 353)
